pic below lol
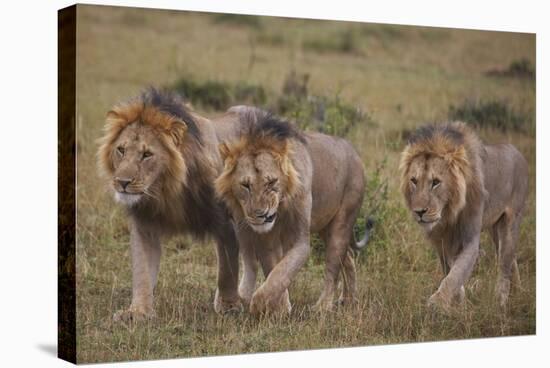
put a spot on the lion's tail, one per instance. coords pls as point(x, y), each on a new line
point(358, 245)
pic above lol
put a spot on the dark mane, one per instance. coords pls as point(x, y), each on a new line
point(262, 124)
point(170, 103)
point(429, 132)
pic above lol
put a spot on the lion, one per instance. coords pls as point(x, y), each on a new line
point(281, 184)
point(160, 160)
point(456, 186)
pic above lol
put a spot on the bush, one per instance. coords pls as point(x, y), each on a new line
point(220, 95)
point(522, 68)
point(271, 39)
point(345, 42)
point(210, 94)
point(252, 21)
point(324, 114)
point(490, 114)
point(328, 115)
point(375, 207)
point(246, 93)
point(375, 204)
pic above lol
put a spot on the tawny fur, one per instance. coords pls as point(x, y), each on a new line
point(456, 186)
point(171, 190)
point(319, 187)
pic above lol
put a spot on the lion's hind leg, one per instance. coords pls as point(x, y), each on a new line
point(505, 235)
point(337, 237)
point(349, 280)
point(335, 254)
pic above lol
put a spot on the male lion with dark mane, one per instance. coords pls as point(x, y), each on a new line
point(281, 184)
point(455, 187)
point(160, 160)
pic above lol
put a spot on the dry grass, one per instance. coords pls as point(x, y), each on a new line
point(402, 76)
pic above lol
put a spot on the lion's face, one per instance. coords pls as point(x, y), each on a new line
point(427, 189)
point(138, 161)
point(256, 184)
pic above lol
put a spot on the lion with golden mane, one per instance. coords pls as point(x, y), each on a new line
point(455, 187)
point(281, 184)
point(160, 160)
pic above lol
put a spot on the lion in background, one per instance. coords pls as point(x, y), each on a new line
point(160, 160)
point(455, 187)
point(281, 184)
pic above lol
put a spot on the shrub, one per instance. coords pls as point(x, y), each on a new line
point(324, 114)
point(327, 115)
point(252, 21)
point(522, 68)
point(345, 42)
point(382, 31)
point(246, 93)
point(490, 114)
point(210, 94)
point(376, 206)
point(271, 39)
point(220, 95)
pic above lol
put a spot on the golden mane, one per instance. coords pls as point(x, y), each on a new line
point(177, 131)
point(457, 144)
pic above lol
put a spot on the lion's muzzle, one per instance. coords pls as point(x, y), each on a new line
point(264, 221)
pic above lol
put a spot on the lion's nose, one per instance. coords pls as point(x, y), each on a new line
point(421, 212)
point(123, 182)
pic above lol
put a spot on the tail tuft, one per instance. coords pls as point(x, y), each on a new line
point(358, 245)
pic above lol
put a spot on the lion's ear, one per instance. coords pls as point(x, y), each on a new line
point(177, 131)
point(115, 121)
point(112, 114)
point(225, 151)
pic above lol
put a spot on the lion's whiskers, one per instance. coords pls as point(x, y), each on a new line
point(150, 193)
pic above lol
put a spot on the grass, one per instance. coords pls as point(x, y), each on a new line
point(403, 77)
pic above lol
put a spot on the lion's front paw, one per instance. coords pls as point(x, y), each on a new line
point(502, 292)
point(347, 300)
point(460, 296)
point(222, 305)
point(133, 314)
point(258, 303)
point(266, 303)
point(324, 305)
point(439, 301)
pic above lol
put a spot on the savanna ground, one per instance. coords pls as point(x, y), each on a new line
point(371, 83)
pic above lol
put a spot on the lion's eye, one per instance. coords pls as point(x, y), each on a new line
point(414, 181)
point(246, 186)
point(120, 150)
point(147, 154)
point(435, 183)
point(272, 182)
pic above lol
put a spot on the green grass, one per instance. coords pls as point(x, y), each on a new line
point(401, 78)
